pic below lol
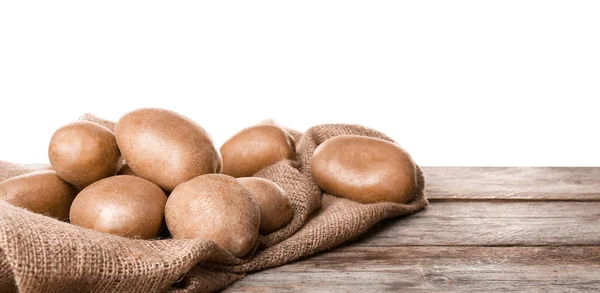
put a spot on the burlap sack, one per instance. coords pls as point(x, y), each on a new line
point(40, 254)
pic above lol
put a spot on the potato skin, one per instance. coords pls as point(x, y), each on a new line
point(275, 207)
point(42, 192)
point(84, 152)
point(214, 207)
point(165, 147)
point(123, 205)
point(255, 148)
point(364, 169)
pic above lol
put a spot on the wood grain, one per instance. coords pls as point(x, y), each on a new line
point(435, 269)
point(514, 183)
point(492, 224)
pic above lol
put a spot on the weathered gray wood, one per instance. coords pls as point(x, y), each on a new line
point(529, 183)
point(493, 224)
point(435, 269)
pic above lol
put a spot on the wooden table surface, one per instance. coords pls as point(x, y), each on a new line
point(487, 229)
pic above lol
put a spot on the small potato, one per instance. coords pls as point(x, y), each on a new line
point(275, 207)
point(42, 192)
point(364, 169)
point(214, 207)
point(165, 147)
point(123, 205)
point(255, 148)
point(84, 152)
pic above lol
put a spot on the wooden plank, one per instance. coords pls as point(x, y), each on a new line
point(435, 269)
point(492, 224)
point(515, 183)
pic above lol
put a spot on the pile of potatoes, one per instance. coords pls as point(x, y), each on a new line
point(158, 173)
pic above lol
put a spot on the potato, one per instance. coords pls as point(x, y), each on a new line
point(255, 148)
point(84, 152)
point(165, 147)
point(123, 205)
point(214, 207)
point(364, 169)
point(42, 192)
point(275, 207)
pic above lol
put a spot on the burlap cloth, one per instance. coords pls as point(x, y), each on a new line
point(40, 254)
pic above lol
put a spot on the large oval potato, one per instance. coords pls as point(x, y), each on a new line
point(84, 152)
point(123, 205)
point(214, 207)
point(42, 192)
point(364, 169)
point(255, 148)
point(165, 147)
point(275, 208)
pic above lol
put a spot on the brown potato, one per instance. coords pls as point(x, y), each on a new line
point(42, 192)
point(165, 147)
point(275, 207)
point(364, 169)
point(255, 148)
point(84, 152)
point(214, 207)
point(123, 205)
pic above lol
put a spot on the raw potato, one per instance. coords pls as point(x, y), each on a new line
point(255, 148)
point(42, 192)
point(165, 147)
point(84, 152)
point(123, 205)
point(214, 207)
point(364, 169)
point(275, 207)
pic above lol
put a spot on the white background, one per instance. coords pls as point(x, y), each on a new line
point(454, 82)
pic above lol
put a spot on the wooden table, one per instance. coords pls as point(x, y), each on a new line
point(486, 230)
